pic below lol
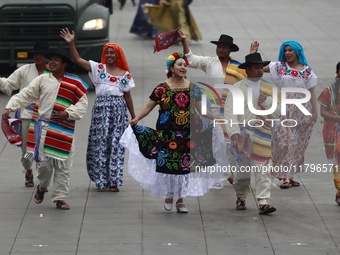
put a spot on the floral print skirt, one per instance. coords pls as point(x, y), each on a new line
point(105, 156)
point(290, 143)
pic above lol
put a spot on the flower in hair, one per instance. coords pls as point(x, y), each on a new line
point(172, 58)
point(169, 63)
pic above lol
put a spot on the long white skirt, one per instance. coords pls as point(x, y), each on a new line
point(143, 170)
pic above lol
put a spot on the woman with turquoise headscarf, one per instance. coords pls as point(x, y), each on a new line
point(290, 143)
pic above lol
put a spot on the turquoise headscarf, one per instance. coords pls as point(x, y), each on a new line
point(297, 48)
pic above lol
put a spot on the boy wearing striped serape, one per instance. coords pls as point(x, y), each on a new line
point(258, 128)
point(62, 101)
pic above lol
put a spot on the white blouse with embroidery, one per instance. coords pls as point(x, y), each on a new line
point(285, 76)
point(107, 84)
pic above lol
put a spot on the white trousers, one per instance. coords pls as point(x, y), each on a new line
point(262, 184)
point(59, 170)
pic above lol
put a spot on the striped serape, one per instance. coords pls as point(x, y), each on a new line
point(59, 136)
point(233, 74)
point(261, 150)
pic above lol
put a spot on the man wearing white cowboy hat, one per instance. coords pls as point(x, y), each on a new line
point(258, 154)
point(18, 80)
point(62, 101)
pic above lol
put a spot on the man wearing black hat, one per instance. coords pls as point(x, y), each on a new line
point(62, 101)
point(222, 67)
point(255, 157)
point(219, 69)
point(18, 80)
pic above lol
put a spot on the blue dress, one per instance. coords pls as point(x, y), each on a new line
point(140, 25)
point(109, 119)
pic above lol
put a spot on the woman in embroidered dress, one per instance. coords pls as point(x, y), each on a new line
point(290, 143)
point(113, 82)
point(177, 146)
point(329, 101)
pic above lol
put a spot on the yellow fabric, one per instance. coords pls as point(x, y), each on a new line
point(336, 173)
point(261, 151)
point(233, 74)
point(171, 16)
point(194, 30)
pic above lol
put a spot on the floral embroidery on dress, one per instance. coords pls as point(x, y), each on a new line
point(102, 74)
point(113, 79)
point(121, 81)
point(177, 145)
point(283, 69)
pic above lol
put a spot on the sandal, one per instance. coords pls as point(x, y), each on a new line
point(241, 204)
point(265, 209)
point(61, 205)
point(29, 183)
point(286, 184)
point(294, 183)
point(113, 189)
point(39, 195)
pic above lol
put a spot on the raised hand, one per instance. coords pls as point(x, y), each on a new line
point(254, 47)
point(181, 34)
point(68, 37)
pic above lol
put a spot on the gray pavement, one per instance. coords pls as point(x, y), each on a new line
point(131, 222)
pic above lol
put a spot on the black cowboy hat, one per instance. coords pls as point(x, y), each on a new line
point(226, 39)
point(254, 58)
point(62, 52)
point(40, 47)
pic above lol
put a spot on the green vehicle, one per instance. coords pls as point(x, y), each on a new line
point(23, 22)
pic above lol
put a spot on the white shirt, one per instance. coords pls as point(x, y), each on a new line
point(255, 85)
point(285, 76)
point(45, 87)
point(248, 115)
point(19, 79)
point(210, 65)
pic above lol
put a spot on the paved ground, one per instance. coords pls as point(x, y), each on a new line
point(131, 222)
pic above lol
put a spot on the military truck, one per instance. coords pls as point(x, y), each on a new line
point(22, 22)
